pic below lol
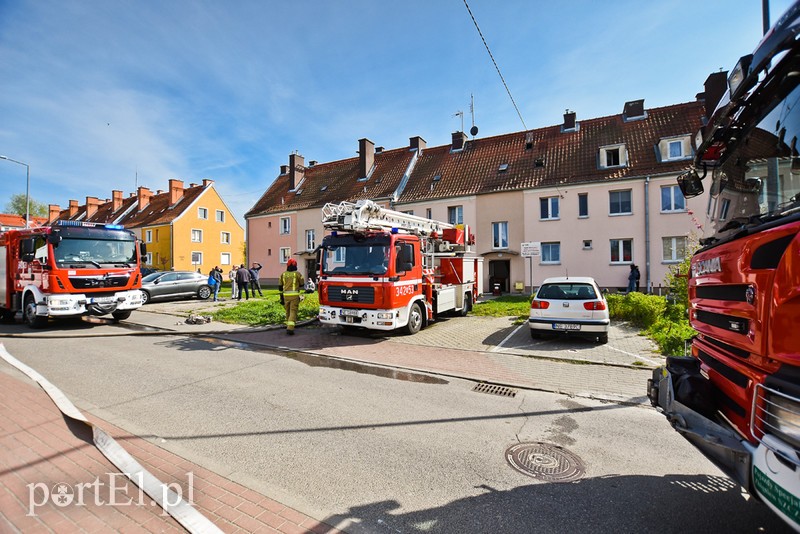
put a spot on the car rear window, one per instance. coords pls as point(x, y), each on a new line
point(567, 291)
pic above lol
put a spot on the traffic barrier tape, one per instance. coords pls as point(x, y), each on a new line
point(172, 503)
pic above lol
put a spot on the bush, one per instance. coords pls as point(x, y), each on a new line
point(666, 324)
point(637, 308)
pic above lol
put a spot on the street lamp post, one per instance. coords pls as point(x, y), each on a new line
point(27, 188)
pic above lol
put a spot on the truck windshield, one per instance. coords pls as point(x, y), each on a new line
point(95, 252)
point(355, 258)
point(759, 180)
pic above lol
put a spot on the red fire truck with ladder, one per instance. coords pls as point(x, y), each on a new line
point(382, 269)
point(737, 397)
point(69, 269)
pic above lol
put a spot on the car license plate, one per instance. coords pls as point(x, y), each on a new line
point(353, 313)
point(566, 326)
point(102, 300)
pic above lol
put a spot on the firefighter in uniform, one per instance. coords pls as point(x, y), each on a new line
point(289, 286)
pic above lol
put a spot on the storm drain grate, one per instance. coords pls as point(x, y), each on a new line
point(495, 390)
point(545, 462)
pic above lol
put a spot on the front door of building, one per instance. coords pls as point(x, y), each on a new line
point(499, 275)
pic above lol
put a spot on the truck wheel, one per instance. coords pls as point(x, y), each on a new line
point(467, 304)
point(204, 292)
point(145, 297)
point(414, 319)
point(33, 320)
point(121, 315)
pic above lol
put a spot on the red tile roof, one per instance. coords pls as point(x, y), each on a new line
point(18, 221)
point(569, 157)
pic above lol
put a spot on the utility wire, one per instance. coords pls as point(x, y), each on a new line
point(495, 64)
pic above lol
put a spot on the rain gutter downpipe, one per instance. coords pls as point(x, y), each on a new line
point(647, 233)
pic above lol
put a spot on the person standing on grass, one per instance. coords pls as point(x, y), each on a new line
point(216, 276)
point(242, 281)
point(232, 278)
point(254, 283)
point(289, 286)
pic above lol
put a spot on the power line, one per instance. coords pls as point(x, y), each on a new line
point(495, 64)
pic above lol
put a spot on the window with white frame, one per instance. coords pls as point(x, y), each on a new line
point(583, 204)
point(613, 156)
point(427, 213)
point(148, 236)
point(500, 234)
point(197, 236)
point(548, 208)
point(310, 241)
point(675, 148)
point(621, 250)
point(674, 249)
point(285, 253)
point(221, 216)
point(724, 208)
point(619, 202)
point(672, 199)
point(551, 252)
point(286, 225)
point(197, 258)
point(225, 258)
point(408, 212)
point(148, 258)
point(202, 213)
point(225, 238)
point(455, 215)
point(339, 255)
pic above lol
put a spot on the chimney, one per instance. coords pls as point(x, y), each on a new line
point(459, 138)
point(73, 208)
point(569, 121)
point(143, 195)
point(175, 191)
point(297, 170)
point(366, 157)
point(116, 199)
point(55, 211)
point(207, 182)
point(417, 143)
point(715, 86)
point(92, 203)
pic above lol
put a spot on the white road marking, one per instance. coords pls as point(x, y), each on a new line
point(500, 345)
point(638, 356)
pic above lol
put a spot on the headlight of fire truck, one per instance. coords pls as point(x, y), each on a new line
point(783, 418)
point(59, 302)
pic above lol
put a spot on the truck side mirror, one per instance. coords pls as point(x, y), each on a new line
point(54, 239)
point(142, 249)
point(691, 184)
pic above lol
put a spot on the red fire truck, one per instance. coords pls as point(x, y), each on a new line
point(382, 269)
point(69, 269)
point(737, 397)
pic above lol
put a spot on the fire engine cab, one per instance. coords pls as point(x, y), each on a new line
point(69, 269)
point(383, 269)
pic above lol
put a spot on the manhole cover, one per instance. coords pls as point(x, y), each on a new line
point(549, 463)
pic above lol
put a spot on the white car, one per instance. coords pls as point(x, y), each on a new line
point(572, 305)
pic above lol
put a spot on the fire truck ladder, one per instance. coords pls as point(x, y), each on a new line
point(366, 215)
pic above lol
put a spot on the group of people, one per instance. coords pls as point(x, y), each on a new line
point(244, 280)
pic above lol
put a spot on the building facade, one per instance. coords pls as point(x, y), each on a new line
point(596, 195)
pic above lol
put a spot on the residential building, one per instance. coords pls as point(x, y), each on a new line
point(10, 221)
point(183, 228)
point(596, 194)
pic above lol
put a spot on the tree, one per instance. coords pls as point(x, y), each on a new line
point(18, 206)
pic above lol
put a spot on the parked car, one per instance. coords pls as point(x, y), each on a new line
point(148, 270)
point(175, 284)
point(569, 305)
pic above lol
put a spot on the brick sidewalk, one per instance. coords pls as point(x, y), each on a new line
point(41, 450)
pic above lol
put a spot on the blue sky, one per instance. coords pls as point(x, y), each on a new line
point(98, 95)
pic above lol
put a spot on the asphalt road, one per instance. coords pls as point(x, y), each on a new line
point(377, 450)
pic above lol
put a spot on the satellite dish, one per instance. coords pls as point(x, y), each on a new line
point(473, 131)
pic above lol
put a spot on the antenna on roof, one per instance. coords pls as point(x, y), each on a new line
point(474, 130)
point(460, 113)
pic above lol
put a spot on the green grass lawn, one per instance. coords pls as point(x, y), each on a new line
point(262, 311)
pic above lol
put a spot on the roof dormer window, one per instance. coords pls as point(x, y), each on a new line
point(613, 156)
point(675, 148)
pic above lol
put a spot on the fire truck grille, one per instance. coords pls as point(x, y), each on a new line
point(728, 322)
point(362, 295)
point(91, 282)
